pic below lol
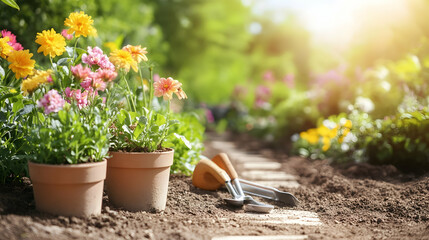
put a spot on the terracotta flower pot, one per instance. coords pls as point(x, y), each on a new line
point(139, 181)
point(69, 190)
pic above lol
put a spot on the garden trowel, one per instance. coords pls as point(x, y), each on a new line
point(257, 189)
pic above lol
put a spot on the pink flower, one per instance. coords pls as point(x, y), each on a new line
point(165, 87)
point(86, 83)
point(81, 98)
point(6, 33)
point(12, 40)
point(51, 102)
point(269, 76)
point(106, 75)
point(155, 77)
point(66, 35)
point(81, 72)
point(262, 94)
point(98, 84)
point(289, 80)
point(16, 46)
point(95, 56)
point(49, 79)
point(93, 83)
point(209, 116)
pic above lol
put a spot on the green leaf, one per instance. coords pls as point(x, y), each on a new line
point(11, 3)
point(2, 73)
point(25, 110)
point(143, 120)
point(63, 116)
point(138, 130)
point(184, 140)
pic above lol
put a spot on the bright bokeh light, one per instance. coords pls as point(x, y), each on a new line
point(339, 22)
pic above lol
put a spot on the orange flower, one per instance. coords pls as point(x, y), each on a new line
point(181, 94)
point(80, 24)
point(21, 63)
point(137, 52)
point(166, 87)
point(51, 43)
point(123, 59)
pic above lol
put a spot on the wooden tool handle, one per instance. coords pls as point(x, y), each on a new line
point(223, 162)
point(208, 176)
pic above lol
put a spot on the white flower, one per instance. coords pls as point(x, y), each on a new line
point(364, 104)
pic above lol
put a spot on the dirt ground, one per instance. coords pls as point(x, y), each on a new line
point(354, 201)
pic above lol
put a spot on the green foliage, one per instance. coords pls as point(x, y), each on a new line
point(402, 141)
point(143, 131)
point(71, 136)
point(14, 119)
point(187, 142)
point(207, 45)
point(294, 113)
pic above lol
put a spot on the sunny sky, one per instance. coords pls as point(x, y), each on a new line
point(336, 21)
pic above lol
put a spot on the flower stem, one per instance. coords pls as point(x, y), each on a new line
point(150, 86)
point(133, 104)
point(74, 49)
point(143, 92)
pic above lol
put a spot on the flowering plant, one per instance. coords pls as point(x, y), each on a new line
point(145, 124)
point(70, 117)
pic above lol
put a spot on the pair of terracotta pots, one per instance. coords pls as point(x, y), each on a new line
point(135, 182)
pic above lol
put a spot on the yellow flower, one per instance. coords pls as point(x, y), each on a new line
point(51, 43)
point(21, 63)
point(137, 52)
point(32, 83)
point(347, 123)
point(12, 90)
point(326, 132)
point(5, 48)
point(310, 136)
point(80, 24)
point(123, 59)
point(326, 144)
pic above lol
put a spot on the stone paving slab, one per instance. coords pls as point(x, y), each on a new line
point(243, 158)
point(225, 146)
point(277, 237)
point(261, 166)
point(277, 184)
point(266, 175)
point(284, 216)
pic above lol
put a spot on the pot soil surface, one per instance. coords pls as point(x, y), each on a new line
point(355, 201)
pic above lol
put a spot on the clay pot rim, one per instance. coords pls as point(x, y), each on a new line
point(148, 153)
point(77, 165)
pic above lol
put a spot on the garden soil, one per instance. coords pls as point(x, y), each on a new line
point(355, 201)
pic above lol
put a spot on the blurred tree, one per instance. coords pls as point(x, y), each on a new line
point(127, 19)
point(283, 48)
point(207, 41)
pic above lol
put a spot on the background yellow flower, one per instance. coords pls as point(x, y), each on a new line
point(51, 43)
point(80, 24)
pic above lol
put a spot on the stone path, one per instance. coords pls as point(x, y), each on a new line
point(264, 171)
